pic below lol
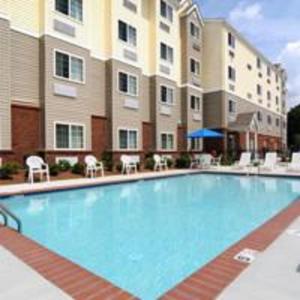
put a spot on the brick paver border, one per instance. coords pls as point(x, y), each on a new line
point(205, 284)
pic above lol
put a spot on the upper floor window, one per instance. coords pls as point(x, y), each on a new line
point(166, 53)
point(166, 10)
point(259, 116)
point(71, 8)
point(69, 67)
point(167, 141)
point(195, 30)
point(231, 73)
point(231, 40)
point(277, 122)
point(269, 120)
point(128, 139)
point(258, 63)
point(232, 107)
point(127, 33)
point(259, 89)
point(268, 71)
point(195, 66)
point(69, 136)
point(128, 84)
point(269, 96)
point(166, 95)
point(277, 100)
point(195, 103)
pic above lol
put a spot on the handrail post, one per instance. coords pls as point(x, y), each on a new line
point(15, 218)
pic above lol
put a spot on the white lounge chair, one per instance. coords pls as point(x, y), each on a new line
point(295, 163)
point(93, 166)
point(36, 165)
point(206, 161)
point(244, 162)
point(216, 161)
point(128, 164)
point(160, 162)
point(270, 162)
point(196, 161)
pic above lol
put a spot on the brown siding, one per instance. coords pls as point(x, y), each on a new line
point(213, 110)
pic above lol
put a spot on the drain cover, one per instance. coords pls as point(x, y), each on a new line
point(294, 232)
point(246, 256)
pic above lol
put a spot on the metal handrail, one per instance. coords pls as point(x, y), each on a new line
point(4, 217)
point(14, 217)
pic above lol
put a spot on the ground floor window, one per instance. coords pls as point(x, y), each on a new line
point(167, 141)
point(128, 139)
point(69, 136)
point(196, 144)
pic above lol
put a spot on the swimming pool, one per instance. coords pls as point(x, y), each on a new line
point(147, 236)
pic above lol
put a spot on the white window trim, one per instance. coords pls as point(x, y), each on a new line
point(55, 50)
point(193, 109)
point(230, 79)
point(160, 141)
point(132, 46)
point(174, 96)
point(198, 61)
point(166, 61)
point(235, 105)
point(69, 17)
point(166, 19)
point(70, 124)
point(137, 139)
point(194, 37)
point(137, 83)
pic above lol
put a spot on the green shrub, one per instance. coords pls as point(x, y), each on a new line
point(54, 170)
point(64, 166)
point(170, 162)
point(107, 160)
point(5, 173)
point(12, 167)
point(149, 163)
point(78, 169)
point(183, 162)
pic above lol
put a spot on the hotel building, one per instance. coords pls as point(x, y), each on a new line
point(128, 76)
point(244, 93)
point(81, 77)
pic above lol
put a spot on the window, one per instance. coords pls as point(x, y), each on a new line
point(259, 116)
point(269, 120)
point(166, 10)
point(71, 8)
point(268, 71)
point(231, 73)
point(196, 144)
point(69, 67)
point(167, 141)
point(277, 122)
point(127, 33)
point(258, 63)
point(195, 31)
point(128, 84)
point(195, 103)
point(128, 139)
point(232, 107)
point(166, 53)
point(249, 67)
point(231, 40)
point(277, 78)
point(195, 66)
point(259, 89)
point(166, 95)
point(69, 136)
point(277, 100)
point(269, 96)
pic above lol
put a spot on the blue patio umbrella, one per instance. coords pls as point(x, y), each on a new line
point(204, 133)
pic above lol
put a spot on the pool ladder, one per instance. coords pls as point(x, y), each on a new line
point(6, 214)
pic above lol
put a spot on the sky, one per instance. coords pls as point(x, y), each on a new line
point(272, 26)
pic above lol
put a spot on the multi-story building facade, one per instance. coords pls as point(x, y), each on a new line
point(79, 77)
point(244, 93)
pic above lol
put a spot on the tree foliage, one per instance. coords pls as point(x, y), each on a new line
point(294, 128)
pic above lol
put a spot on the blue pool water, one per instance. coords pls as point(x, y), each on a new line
point(146, 237)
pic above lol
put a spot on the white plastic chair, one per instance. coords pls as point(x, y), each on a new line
point(196, 161)
point(245, 161)
point(270, 162)
point(206, 161)
point(160, 162)
point(128, 164)
point(93, 166)
point(295, 163)
point(36, 165)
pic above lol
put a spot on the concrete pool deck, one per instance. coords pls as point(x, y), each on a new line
point(275, 274)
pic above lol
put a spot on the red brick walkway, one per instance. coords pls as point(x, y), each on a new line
point(208, 282)
point(205, 284)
